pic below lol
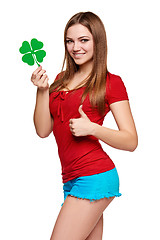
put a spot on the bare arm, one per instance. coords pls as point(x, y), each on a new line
point(126, 137)
point(42, 118)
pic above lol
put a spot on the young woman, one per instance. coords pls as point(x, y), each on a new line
point(74, 107)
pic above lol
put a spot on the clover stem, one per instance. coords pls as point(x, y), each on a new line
point(35, 60)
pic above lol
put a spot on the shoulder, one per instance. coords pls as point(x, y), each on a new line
point(114, 81)
point(115, 88)
point(113, 78)
point(59, 75)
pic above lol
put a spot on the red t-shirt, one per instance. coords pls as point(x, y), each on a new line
point(82, 155)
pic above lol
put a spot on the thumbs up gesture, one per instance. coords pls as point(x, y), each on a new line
point(81, 126)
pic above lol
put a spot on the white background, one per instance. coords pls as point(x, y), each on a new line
point(30, 173)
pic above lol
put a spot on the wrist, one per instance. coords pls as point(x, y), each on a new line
point(43, 90)
point(94, 128)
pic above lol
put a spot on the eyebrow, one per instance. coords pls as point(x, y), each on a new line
point(79, 37)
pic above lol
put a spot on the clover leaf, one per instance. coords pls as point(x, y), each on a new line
point(32, 52)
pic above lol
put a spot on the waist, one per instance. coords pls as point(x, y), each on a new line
point(91, 168)
point(91, 161)
point(76, 150)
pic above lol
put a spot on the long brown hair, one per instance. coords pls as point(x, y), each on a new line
point(96, 81)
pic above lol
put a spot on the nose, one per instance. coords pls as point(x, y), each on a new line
point(76, 46)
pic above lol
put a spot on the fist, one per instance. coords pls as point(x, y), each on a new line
point(81, 126)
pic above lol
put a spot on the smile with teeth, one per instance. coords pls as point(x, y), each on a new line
point(78, 54)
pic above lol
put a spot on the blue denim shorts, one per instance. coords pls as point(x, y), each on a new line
point(93, 187)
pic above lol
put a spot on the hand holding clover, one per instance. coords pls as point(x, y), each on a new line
point(40, 79)
point(32, 55)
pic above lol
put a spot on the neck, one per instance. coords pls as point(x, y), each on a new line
point(85, 69)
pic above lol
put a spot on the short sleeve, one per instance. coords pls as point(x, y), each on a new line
point(115, 89)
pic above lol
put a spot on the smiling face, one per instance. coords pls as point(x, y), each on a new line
point(79, 43)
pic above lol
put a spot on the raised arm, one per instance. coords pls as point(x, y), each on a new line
point(126, 137)
point(43, 120)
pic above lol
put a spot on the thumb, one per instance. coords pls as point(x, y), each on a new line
point(81, 112)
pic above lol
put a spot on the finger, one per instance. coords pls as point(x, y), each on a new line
point(37, 70)
point(41, 80)
point(45, 83)
point(36, 77)
point(80, 109)
point(82, 113)
point(40, 73)
point(71, 121)
point(71, 127)
point(73, 132)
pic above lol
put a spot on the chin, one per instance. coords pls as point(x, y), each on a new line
point(81, 61)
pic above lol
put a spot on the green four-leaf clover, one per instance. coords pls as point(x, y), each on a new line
point(32, 52)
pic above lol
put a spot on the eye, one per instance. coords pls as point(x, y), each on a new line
point(84, 40)
point(69, 41)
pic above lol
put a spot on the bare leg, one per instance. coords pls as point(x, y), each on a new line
point(97, 231)
point(78, 218)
